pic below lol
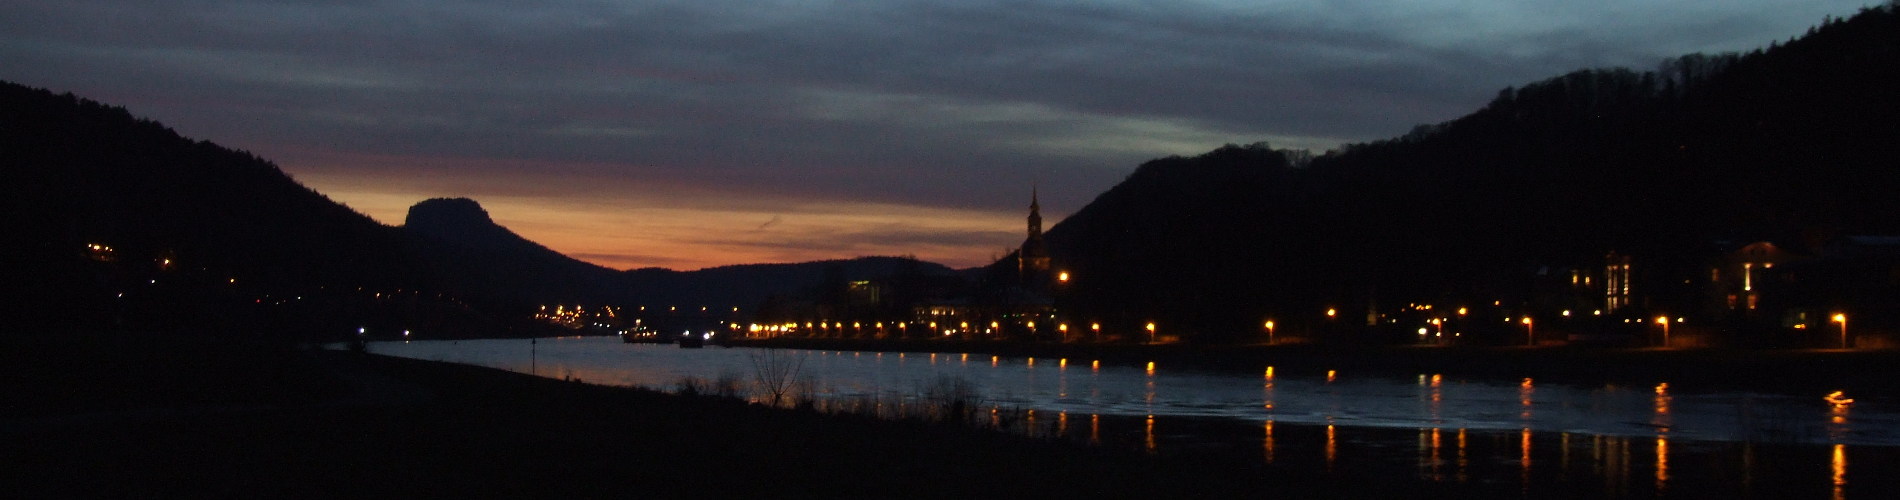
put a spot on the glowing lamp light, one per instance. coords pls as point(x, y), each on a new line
point(1842, 319)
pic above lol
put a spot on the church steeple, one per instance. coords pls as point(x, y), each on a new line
point(1035, 216)
point(1033, 259)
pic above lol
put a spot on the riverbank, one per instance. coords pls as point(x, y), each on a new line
point(1787, 371)
point(425, 429)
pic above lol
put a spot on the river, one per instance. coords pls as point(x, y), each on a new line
point(1428, 426)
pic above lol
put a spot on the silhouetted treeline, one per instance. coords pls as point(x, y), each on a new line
point(1794, 144)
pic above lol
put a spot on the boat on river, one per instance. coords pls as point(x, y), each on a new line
point(690, 340)
point(644, 336)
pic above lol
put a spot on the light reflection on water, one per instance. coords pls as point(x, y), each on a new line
point(1435, 401)
point(1526, 433)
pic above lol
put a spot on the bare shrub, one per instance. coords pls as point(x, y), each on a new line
point(804, 393)
point(728, 386)
point(776, 373)
point(691, 386)
point(952, 399)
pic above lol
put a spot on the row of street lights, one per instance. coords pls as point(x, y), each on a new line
point(1530, 337)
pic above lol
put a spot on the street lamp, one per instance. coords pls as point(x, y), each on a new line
point(1664, 321)
point(1842, 319)
point(1151, 332)
point(1530, 338)
point(1269, 332)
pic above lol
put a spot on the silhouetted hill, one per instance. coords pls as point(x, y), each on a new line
point(178, 216)
point(191, 236)
point(1793, 143)
point(474, 253)
point(1186, 241)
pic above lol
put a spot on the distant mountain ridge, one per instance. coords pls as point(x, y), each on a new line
point(164, 209)
point(484, 254)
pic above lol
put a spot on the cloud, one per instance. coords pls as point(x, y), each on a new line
point(947, 107)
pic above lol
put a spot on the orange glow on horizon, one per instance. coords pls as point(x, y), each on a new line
point(634, 224)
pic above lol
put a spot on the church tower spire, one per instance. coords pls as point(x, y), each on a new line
point(1033, 259)
point(1035, 216)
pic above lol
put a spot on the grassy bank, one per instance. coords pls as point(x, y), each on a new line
point(1793, 371)
point(423, 429)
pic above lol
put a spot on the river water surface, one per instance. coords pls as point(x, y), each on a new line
point(1616, 440)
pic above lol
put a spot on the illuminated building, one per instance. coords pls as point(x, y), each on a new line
point(1616, 289)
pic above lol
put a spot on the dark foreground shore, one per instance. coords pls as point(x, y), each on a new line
point(392, 427)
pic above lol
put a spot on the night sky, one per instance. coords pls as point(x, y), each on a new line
point(701, 133)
